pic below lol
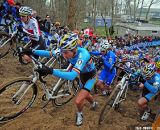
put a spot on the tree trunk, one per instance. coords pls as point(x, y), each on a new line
point(71, 14)
point(94, 18)
point(134, 14)
point(149, 9)
point(105, 26)
point(112, 17)
point(141, 9)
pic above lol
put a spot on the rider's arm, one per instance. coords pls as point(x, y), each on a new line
point(96, 53)
point(77, 68)
point(152, 88)
point(45, 53)
point(66, 75)
point(31, 35)
point(110, 62)
point(36, 32)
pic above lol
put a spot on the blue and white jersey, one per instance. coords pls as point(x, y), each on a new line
point(82, 61)
point(153, 85)
point(109, 60)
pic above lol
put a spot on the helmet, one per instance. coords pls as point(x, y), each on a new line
point(149, 70)
point(57, 24)
point(68, 41)
point(136, 52)
point(158, 64)
point(11, 2)
point(86, 36)
point(25, 11)
point(104, 45)
point(125, 48)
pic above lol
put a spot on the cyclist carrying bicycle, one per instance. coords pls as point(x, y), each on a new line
point(82, 66)
point(150, 83)
point(107, 75)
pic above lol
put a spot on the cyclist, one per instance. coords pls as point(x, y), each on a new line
point(31, 28)
point(150, 83)
point(157, 61)
point(86, 43)
point(107, 75)
point(9, 8)
point(82, 66)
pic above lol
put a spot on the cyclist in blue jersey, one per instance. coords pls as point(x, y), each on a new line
point(10, 8)
point(150, 83)
point(82, 66)
point(107, 75)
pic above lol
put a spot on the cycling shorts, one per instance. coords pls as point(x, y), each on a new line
point(88, 80)
point(106, 77)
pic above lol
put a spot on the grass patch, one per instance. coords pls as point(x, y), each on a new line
point(157, 22)
point(99, 30)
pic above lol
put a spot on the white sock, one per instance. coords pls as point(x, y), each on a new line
point(104, 92)
point(79, 113)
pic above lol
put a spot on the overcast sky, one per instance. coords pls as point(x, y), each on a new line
point(147, 2)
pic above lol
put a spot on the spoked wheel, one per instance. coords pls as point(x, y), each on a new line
point(65, 92)
point(109, 105)
point(16, 97)
point(5, 44)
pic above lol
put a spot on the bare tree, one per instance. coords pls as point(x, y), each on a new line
point(141, 9)
point(71, 14)
point(151, 3)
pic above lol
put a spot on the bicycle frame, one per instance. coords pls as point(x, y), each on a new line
point(49, 94)
point(123, 87)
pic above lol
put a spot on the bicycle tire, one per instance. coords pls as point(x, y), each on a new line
point(9, 100)
point(6, 48)
point(60, 90)
point(106, 109)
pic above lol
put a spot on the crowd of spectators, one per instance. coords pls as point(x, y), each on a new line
point(129, 40)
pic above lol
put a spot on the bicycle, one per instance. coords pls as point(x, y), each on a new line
point(20, 93)
point(117, 96)
point(7, 42)
point(12, 37)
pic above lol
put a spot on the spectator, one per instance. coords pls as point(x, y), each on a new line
point(47, 24)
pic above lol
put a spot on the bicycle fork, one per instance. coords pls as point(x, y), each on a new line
point(21, 92)
point(122, 86)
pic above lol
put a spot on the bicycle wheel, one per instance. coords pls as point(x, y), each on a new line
point(109, 105)
point(65, 92)
point(5, 44)
point(16, 97)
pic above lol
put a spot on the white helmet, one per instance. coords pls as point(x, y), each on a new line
point(104, 45)
point(25, 11)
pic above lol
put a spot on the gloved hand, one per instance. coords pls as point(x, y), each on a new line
point(44, 70)
point(57, 52)
point(142, 79)
point(20, 28)
point(21, 50)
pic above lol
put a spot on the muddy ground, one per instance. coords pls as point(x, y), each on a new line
point(63, 118)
